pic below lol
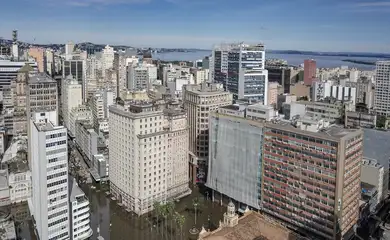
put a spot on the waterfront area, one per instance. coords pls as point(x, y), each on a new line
point(292, 59)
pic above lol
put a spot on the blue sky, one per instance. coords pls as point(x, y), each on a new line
point(323, 25)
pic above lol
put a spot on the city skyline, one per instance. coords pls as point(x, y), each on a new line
point(332, 26)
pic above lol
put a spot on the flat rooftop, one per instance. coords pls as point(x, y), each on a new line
point(333, 132)
point(41, 78)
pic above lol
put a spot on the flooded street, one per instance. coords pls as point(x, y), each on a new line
point(117, 224)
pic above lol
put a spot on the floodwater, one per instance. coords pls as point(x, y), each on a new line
point(117, 224)
point(292, 59)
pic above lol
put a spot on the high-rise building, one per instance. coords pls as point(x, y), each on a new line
point(40, 57)
point(108, 56)
point(9, 70)
point(78, 70)
point(50, 206)
point(141, 76)
point(311, 179)
point(69, 48)
point(273, 93)
point(50, 68)
point(199, 101)
point(71, 98)
point(149, 148)
point(240, 68)
point(42, 95)
point(309, 72)
point(382, 84)
point(235, 158)
point(99, 105)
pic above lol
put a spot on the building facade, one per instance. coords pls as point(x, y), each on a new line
point(309, 71)
point(77, 70)
point(71, 98)
point(141, 76)
point(50, 207)
point(80, 113)
point(235, 159)
point(382, 83)
point(241, 69)
point(9, 71)
point(149, 148)
point(80, 227)
point(312, 179)
point(199, 101)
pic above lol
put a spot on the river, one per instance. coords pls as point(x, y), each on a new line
point(292, 59)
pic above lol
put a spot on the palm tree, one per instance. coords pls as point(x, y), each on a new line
point(196, 204)
point(180, 219)
point(158, 211)
point(170, 208)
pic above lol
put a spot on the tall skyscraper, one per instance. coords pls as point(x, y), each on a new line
point(69, 48)
point(309, 71)
point(199, 101)
point(382, 84)
point(71, 97)
point(108, 56)
point(311, 180)
point(50, 68)
point(78, 70)
point(148, 148)
point(49, 167)
point(235, 158)
point(240, 68)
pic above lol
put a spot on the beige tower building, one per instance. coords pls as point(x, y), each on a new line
point(148, 154)
point(199, 101)
point(71, 97)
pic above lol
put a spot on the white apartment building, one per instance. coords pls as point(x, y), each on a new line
point(169, 74)
point(71, 98)
point(141, 76)
point(108, 56)
point(50, 62)
point(79, 212)
point(49, 167)
point(148, 154)
point(199, 101)
point(382, 84)
point(86, 139)
point(80, 113)
point(322, 90)
point(94, 68)
point(99, 104)
point(375, 174)
point(69, 48)
point(201, 76)
point(241, 69)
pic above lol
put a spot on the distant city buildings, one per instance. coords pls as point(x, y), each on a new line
point(9, 70)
